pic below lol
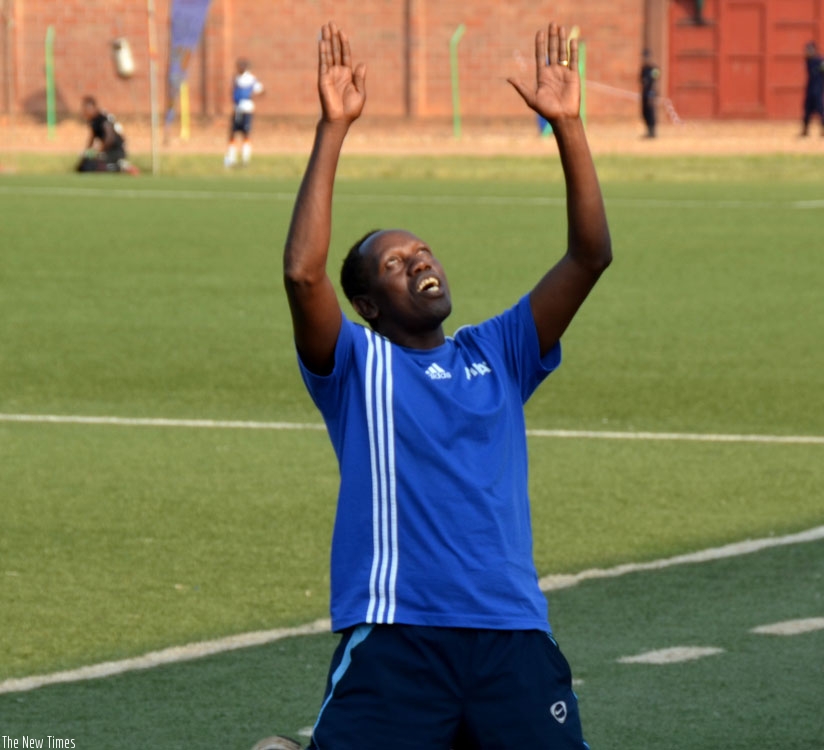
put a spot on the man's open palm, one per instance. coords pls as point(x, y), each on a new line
point(557, 92)
point(342, 88)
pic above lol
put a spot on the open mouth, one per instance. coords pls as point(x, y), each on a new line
point(428, 284)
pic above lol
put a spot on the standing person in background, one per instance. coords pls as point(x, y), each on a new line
point(106, 148)
point(244, 90)
point(650, 73)
point(445, 639)
point(814, 91)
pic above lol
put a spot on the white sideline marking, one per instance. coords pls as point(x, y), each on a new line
point(80, 192)
point(209, 424)
point(688, 436)
point(259, 638)
point(791, 627)
point(165, 656)
point(249, 425)
point(556, 582)
point(154, 193)
point(673, 655)
point(501, 200)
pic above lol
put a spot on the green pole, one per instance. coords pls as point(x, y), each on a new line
point(453, 64)
point(50, 115)
point(582, 71)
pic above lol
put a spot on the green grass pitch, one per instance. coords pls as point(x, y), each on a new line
point(162, 298)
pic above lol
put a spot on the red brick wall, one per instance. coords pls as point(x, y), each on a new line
point(83, 33)
point(405, 44)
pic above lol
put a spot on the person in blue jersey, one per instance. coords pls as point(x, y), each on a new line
point(445, 638)
point(245, 87)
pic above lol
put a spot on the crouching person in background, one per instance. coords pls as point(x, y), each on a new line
point(106, 147)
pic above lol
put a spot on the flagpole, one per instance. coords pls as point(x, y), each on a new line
point(150, 8)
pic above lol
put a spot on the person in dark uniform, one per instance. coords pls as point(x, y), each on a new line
point(650, 73)
point(106, 147)
point(814, 92)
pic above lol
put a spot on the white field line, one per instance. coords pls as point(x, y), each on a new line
point(207, 424)
point(791, 627)
point(673, 655)
point(556, 582)
point(193, 651)
point(548, 583)
point(209, 195)
point(150, 193)
point(443, 199)
point(251, 425)
point(703, 437)
point(165, 656)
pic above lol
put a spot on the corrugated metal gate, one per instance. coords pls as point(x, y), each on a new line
point(745, 60)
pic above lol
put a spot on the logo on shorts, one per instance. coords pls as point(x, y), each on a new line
point(559, 711)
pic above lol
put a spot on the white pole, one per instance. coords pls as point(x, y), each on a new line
point(153, 83)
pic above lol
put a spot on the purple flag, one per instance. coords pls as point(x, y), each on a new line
point(188, 18)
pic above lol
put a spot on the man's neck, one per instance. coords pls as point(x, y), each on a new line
point(415, 340)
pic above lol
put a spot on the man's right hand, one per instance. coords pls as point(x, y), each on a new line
point(556, 95)
point(342, 88)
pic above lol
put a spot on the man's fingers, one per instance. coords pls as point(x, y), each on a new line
point(573, 54)
point(324, 48)
point(346, 52)
point(540, 50)
point(563, 53)
point(522, 89)
point(336, 45)
point(359, 78)
point(553, 43)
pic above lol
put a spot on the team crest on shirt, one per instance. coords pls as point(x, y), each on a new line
point(477, 369)
point(436, 372)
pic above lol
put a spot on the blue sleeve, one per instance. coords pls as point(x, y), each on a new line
point(326, 390)
point(514, 334)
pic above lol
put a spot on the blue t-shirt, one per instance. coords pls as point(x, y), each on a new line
point(433, 520)
point(244, 88)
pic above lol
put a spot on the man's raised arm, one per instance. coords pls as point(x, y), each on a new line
point(316, 314)
point(557, 98)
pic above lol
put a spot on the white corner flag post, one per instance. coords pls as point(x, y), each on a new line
point(155, 127)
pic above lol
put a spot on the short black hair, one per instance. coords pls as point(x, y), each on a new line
point(353, 276)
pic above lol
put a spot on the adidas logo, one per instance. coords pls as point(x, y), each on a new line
point(436, 372)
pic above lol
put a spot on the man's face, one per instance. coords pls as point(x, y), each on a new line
point(89, 111)
point(407, 285)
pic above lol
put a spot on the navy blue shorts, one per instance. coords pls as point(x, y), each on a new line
point(422, 688)
point(242, 123)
